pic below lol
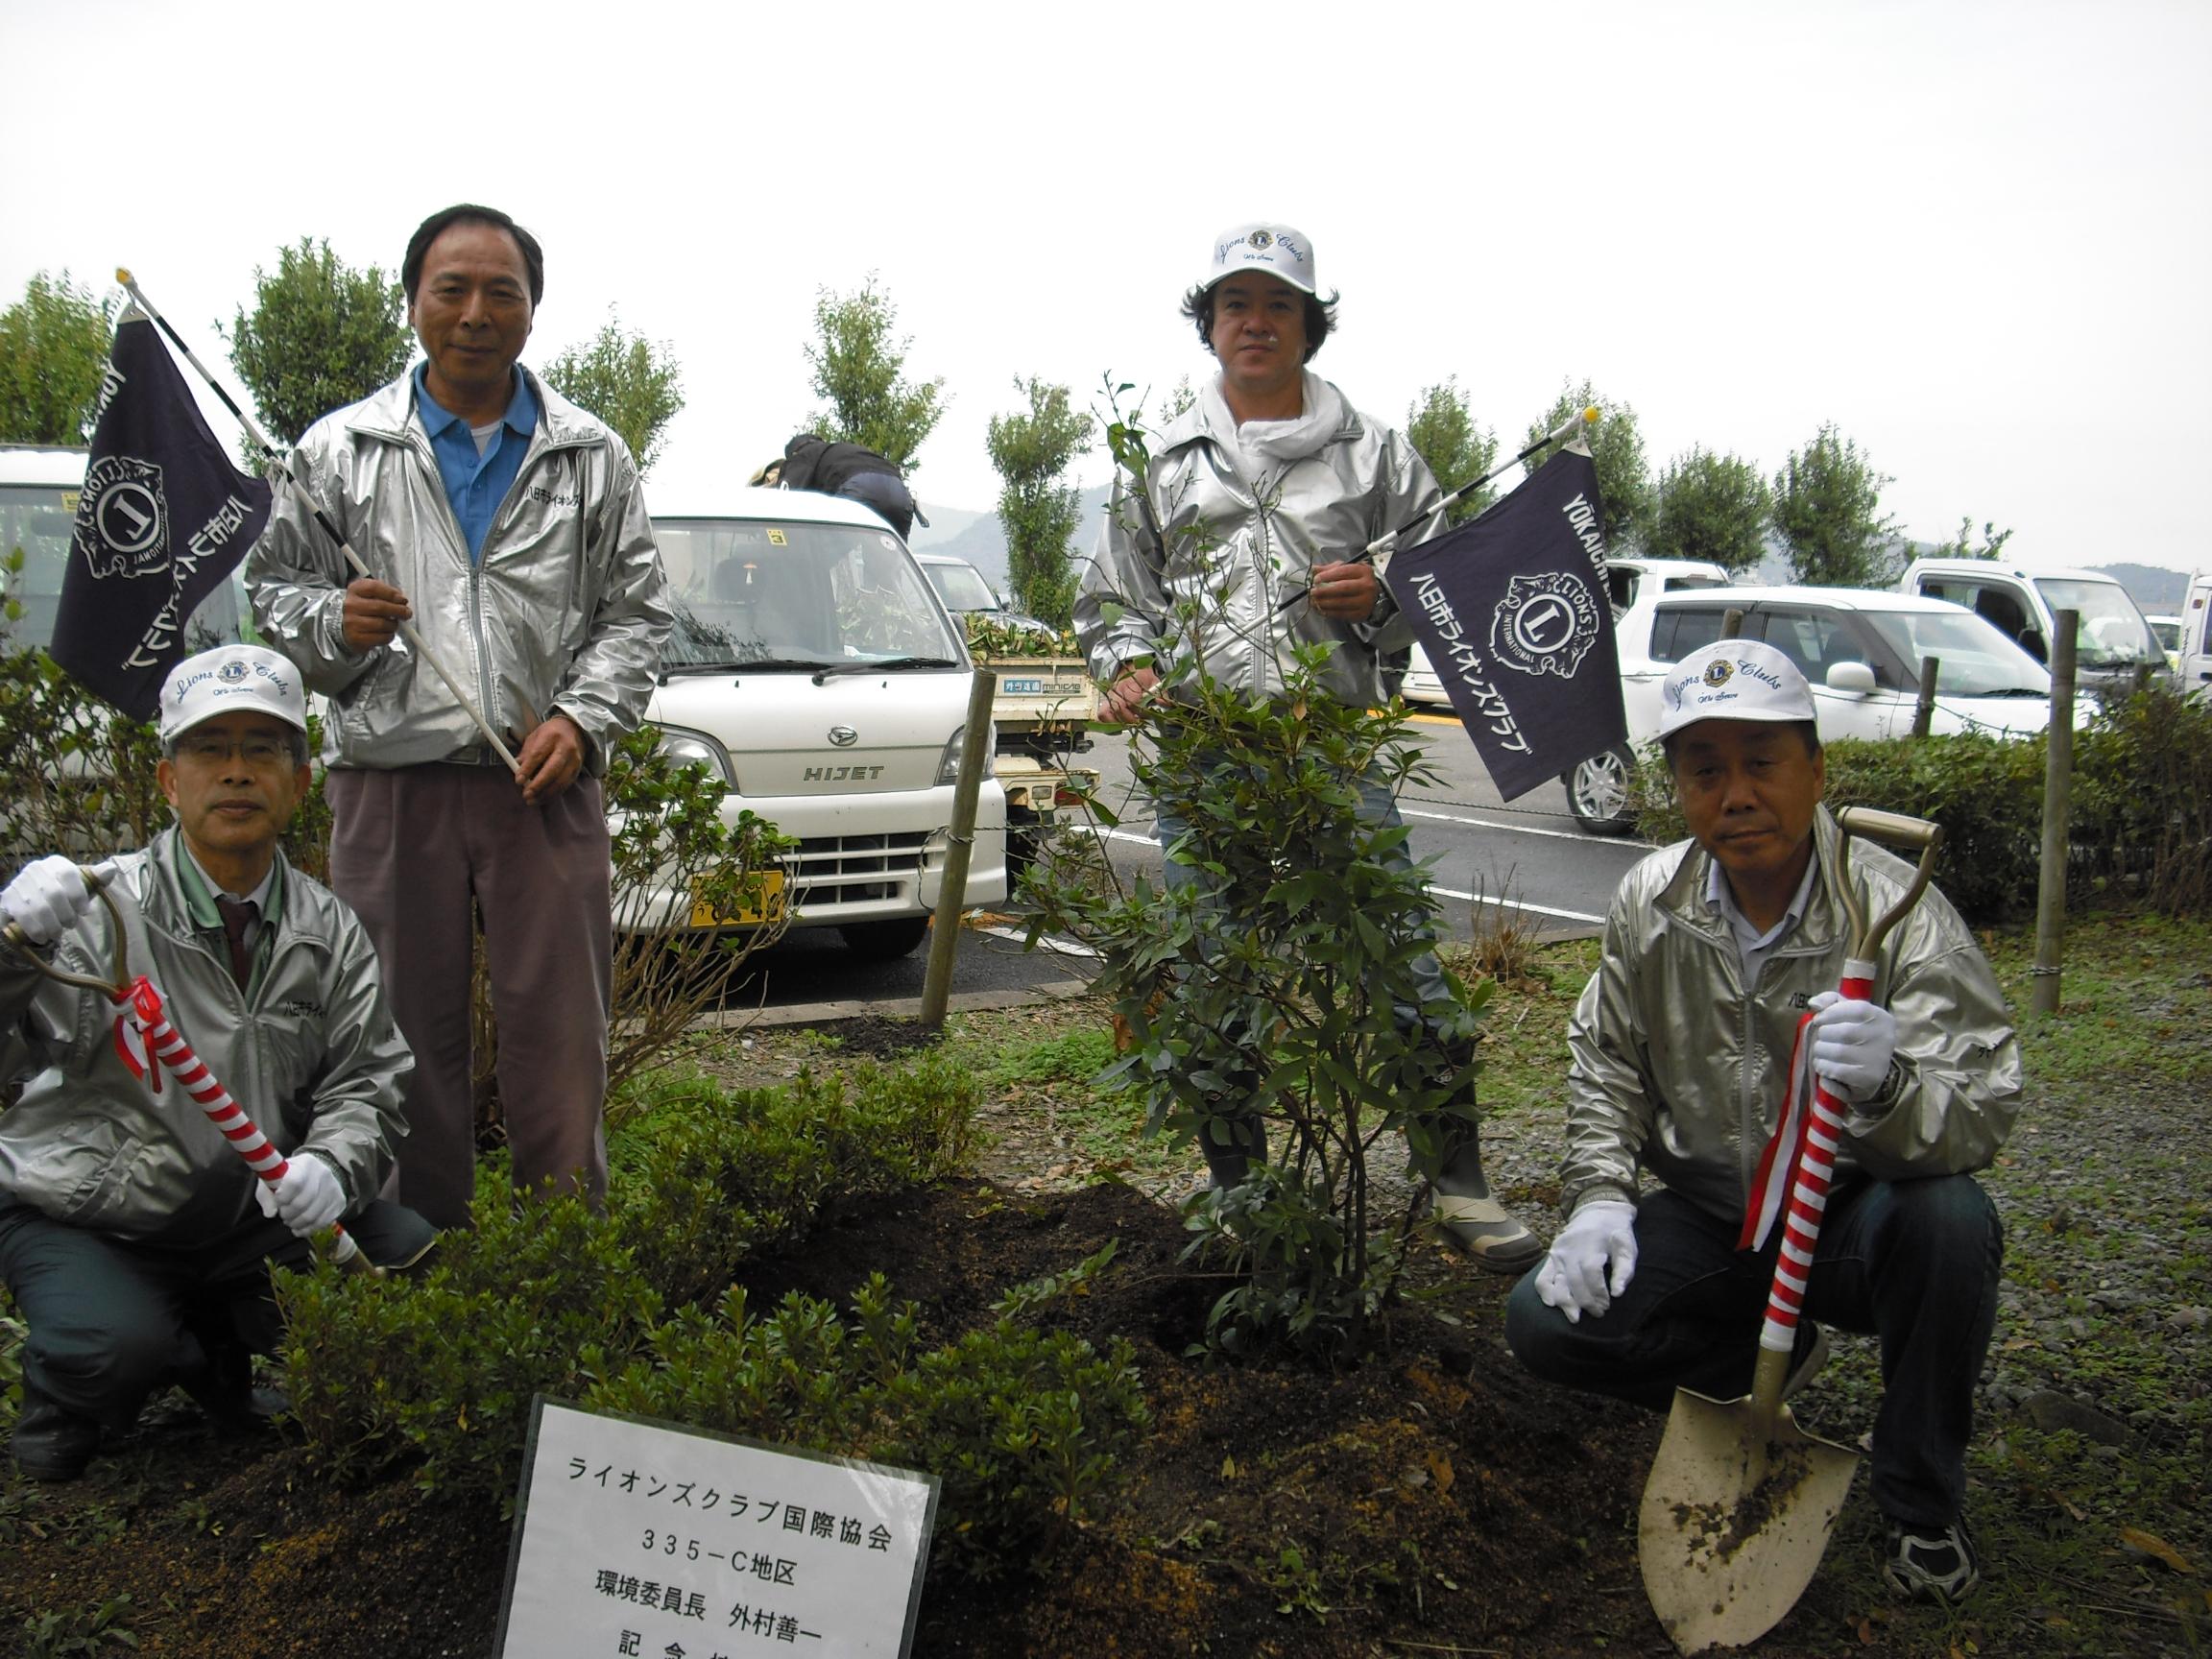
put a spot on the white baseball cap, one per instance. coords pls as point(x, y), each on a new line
point(1733, 679)
point(230, 678)
point(1275, 249)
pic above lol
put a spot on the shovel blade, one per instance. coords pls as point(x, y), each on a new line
point(1734, 1525)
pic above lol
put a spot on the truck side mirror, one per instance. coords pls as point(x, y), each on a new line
point(1851, 679)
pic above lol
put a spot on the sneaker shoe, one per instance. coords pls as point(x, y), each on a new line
point(1812, 1353)
point(1926, 1564)
point(1482, 1228)
point(51, 1444)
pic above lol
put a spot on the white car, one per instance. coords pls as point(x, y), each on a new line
point(1860, 650)
point(814, 670)
point(2113, 642)
point(1627, 579)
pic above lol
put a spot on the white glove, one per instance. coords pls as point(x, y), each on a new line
point(306, 1197)
point(47, 896)
point(1852, 1044)
point(1572, 1278)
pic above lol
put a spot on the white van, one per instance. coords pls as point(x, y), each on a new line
point(2112, 643)
point(812, 667)
point(2192, 650)
point(39, 484)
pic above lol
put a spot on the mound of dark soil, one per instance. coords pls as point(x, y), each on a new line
point(1432, 1500)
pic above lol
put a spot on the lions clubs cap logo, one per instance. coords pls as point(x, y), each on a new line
point(1717, 674)
point(1545, 624)
point(232, 672)
point(1262, 239)
point(123, 518)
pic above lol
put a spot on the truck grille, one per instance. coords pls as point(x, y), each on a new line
point(832, 870)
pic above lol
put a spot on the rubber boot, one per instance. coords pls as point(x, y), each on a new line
point(1474, 1221)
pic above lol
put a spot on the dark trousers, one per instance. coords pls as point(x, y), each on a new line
point(1913, 1263)
point(109, 1320)
point(409, 849)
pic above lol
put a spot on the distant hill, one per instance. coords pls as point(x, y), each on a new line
point(2152, 588)
point(981, 540)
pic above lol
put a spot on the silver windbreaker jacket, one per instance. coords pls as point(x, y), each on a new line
point(565, 610)
point(1237, 547)
point(1679, 1066)
point(313, 1058)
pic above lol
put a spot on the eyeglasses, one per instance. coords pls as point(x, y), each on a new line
point(258, 750)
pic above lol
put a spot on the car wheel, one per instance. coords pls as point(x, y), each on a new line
point(885, 941)
point(1597, 793)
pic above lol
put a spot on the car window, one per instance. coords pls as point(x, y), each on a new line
point(1677, 631)
point(1973, 656)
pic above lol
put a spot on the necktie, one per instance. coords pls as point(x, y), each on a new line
point(237, 916)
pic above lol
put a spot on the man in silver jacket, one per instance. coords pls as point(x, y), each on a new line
point(129, 1236)
point(1680, 1058)
point(1241, 546)
point(509, 525)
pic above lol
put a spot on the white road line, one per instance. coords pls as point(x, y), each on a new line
point(1406, 811)
point(1517, 904)
point(1440, 892)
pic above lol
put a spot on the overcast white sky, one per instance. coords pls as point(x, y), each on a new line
point(1977, 236)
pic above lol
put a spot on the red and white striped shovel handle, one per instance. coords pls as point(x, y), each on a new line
point(1814, 1174)
point(164, 1045)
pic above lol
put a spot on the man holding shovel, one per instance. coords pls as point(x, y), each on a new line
point(1681, 1057)
point(511, 552)
point(129, 1234)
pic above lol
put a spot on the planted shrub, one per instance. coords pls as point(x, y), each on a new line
point(548, 1297)
point(1271, 989)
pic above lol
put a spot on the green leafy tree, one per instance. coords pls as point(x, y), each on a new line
point(1031, 451)
point(627, 381)
point(1617, 448)
point(857, 367)
point(1443, 434)
point(53, 356)
point(1964, 545)
point(1828, 512)
point(322, 334)
point(1710, 506)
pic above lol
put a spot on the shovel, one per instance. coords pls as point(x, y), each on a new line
point(1740, 1500)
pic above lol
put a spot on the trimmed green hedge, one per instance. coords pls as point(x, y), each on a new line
point(2139, 819)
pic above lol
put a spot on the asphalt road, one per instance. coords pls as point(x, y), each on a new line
point(1527, 855)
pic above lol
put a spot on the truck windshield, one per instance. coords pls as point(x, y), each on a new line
point(2113, 634)
point(962, 586)
point(793, 595)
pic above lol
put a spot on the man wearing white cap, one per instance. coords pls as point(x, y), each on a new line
point(133, 1237)
point(1681, 1049)
point(1238, 547)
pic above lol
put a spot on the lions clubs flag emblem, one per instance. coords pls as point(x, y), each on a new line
point(163, 520)
point(1510, 611)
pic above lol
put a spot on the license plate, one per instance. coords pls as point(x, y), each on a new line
point(760, 900)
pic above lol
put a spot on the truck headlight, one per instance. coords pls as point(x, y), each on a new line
point(697, 749)
point(949, 767)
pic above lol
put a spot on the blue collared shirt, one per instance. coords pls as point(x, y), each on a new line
point(477, 484)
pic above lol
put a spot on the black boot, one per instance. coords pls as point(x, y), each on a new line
point(1229, 1162)
point(51, 1443)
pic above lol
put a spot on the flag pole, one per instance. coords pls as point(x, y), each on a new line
point(260, 441)
point(1568, 428)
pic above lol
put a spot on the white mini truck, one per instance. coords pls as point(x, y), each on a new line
point(813, 668)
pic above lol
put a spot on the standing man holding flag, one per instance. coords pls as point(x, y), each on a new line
point(1245, 541)
point(508, 527)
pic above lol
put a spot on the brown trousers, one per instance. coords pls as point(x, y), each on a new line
point(409, 848)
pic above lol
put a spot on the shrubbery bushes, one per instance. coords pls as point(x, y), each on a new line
point(609, 1311)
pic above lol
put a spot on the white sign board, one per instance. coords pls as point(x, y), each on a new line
point(642, 1540)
